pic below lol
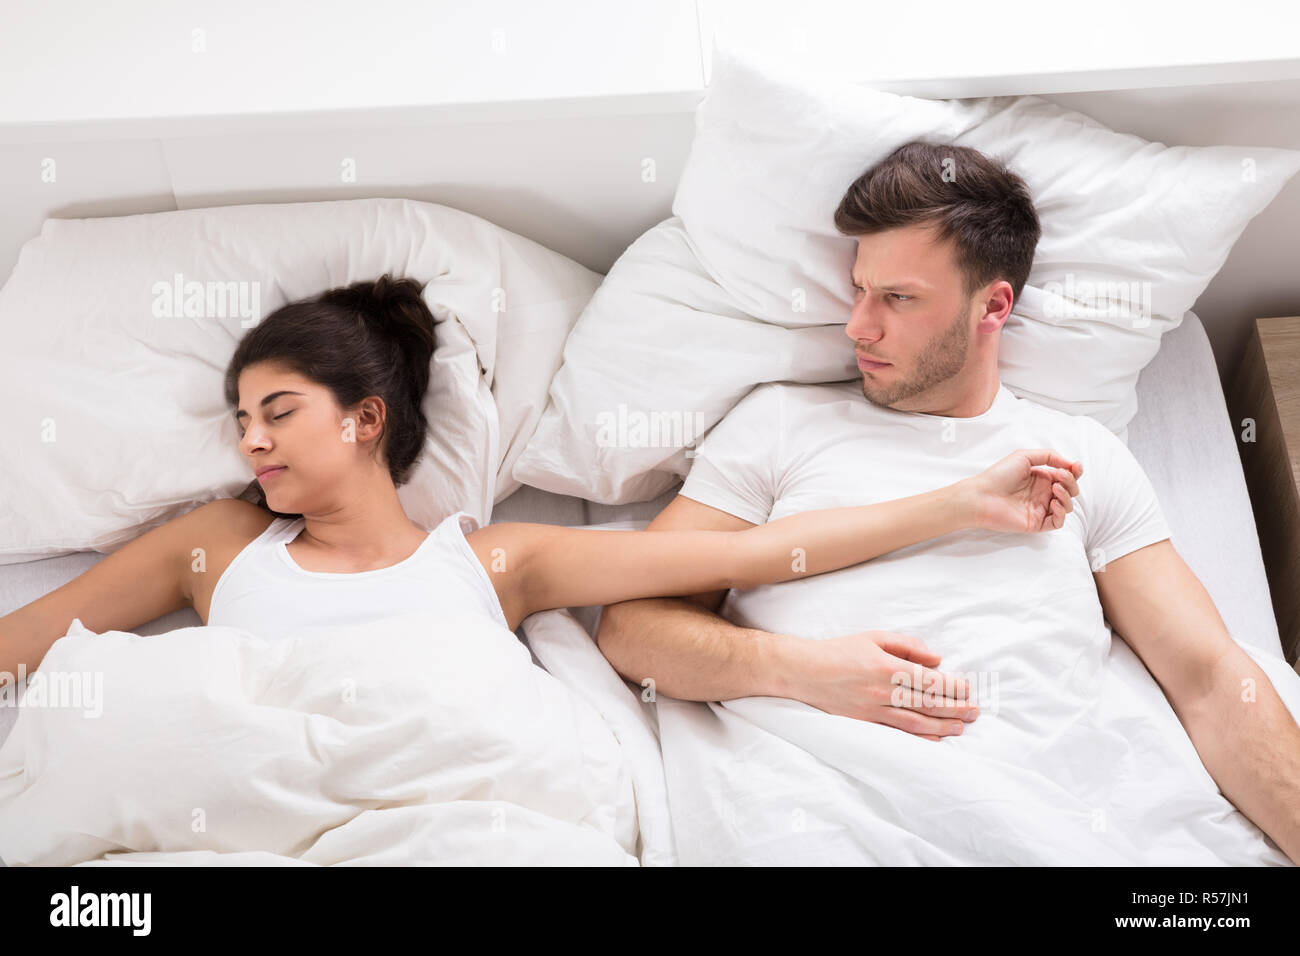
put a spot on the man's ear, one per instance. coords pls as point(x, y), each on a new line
point(997, 302)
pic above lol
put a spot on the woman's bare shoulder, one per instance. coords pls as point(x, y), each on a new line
point(222, 528)
point(228, 524)
point(234, 513)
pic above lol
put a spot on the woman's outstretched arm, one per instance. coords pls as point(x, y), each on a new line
point(535, 567)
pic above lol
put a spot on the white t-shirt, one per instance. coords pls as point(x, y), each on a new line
point(1014, 610)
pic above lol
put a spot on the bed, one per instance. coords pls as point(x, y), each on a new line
point(1182, 436)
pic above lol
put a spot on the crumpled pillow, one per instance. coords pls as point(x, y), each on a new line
point(115, 420)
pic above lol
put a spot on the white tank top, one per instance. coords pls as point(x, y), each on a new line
point(263, 591)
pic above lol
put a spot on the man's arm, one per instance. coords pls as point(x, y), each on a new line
point(682, 644)
point(1248, 742)
point(692, 653)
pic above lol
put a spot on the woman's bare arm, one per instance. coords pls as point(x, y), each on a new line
point(138, 583)
point(537, 566)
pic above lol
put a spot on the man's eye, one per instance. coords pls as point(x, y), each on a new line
point(900, 298)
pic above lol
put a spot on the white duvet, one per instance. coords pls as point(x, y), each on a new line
point(768, 781)
point(410, 740)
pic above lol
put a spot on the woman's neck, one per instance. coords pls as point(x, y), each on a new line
point(365, 528)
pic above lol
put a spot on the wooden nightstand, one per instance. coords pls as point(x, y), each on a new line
point(1267, 389)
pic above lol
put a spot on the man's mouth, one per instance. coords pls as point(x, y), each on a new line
point(867, 365)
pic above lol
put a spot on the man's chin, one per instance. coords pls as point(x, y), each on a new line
point(885, 399)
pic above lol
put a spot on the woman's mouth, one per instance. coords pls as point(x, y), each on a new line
point(271, 473)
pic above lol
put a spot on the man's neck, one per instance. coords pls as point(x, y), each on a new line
point(967, 403)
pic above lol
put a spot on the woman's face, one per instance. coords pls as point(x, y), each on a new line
point(319, 450)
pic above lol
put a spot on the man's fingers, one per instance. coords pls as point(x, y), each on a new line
point(947, 707)
point(917, 679)
point(908, 648)
point(921, 725)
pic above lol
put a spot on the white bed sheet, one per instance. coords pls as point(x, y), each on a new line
point(1182, 436)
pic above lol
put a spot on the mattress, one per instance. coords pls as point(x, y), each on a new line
point(1182, 436)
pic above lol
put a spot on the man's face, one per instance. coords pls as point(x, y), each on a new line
point(910, 311)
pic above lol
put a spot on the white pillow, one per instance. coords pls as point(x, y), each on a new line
point(772, 157)
point(115, 420)
point(660, 354)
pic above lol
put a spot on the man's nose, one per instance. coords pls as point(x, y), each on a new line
point(862, 325)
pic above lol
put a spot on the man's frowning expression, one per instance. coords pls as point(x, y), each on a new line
point(910, 311)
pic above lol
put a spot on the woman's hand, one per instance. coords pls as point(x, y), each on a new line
point(1029, 490)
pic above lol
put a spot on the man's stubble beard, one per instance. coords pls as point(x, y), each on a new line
point(941, 359)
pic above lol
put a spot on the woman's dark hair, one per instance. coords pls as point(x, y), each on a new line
point(368, 338)
point(976, 202)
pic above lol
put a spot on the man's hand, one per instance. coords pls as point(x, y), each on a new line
point(1029, 490)
point(862, 676)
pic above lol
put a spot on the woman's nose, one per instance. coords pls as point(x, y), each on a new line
point(252, 439)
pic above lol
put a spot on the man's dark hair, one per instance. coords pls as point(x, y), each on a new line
point(982, 207)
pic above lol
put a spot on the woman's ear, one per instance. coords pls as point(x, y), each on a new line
point(368, 418)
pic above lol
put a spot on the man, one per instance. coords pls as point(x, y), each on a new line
point(940, 261)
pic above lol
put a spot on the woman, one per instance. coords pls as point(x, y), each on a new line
point(327, 395)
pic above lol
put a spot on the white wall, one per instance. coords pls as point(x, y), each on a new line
point(542, 117)
point(958, 48)
point(73, 61)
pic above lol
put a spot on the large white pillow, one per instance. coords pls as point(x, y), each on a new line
point(773, 155)
point(660, 354)
point(115, 420)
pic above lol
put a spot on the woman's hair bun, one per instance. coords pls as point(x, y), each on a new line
point(394, 306)
point(387, 291)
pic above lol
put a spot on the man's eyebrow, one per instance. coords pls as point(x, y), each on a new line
point(895, 286)
point(266, 401)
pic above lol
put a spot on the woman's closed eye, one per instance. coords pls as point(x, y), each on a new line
point(275, 419)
